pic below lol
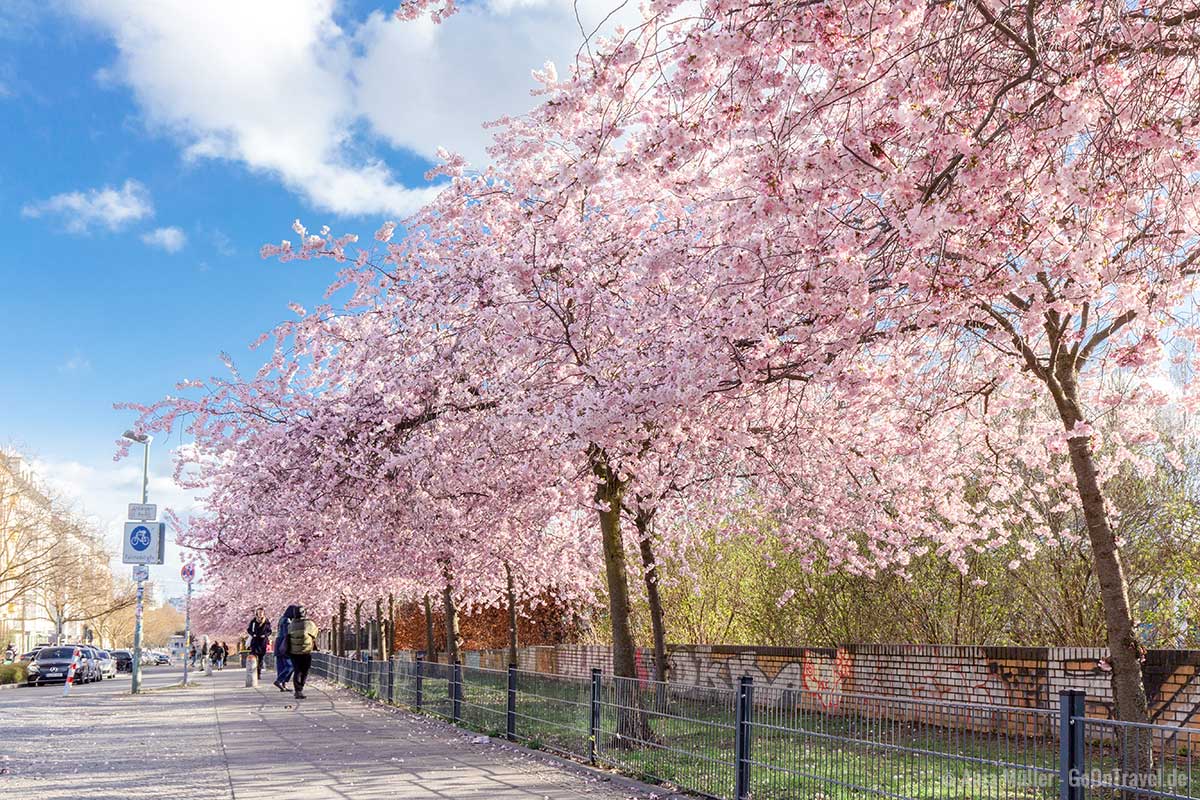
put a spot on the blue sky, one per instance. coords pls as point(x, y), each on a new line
point(150, 149)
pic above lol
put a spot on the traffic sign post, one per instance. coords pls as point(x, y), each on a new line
point(145, 543)
point(136, 666)
point(188, 573)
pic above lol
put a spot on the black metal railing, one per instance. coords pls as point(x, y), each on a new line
point(775, 744)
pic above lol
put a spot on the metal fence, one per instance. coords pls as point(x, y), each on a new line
point(761, 743)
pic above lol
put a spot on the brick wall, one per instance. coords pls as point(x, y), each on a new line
point(929, 675)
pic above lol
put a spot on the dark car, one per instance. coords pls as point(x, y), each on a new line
point(53, 664)
point(124, 660)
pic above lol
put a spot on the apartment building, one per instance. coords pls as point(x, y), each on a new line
point(36, 546)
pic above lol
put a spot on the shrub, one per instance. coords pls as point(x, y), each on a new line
point(12, 673)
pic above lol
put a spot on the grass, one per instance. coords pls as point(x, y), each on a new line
point(796, 754)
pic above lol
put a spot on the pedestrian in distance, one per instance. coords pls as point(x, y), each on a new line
point(10, 653)
point(217, 654)
point(259, 631)
point(194, 654)
point(301, 644)
point(283, 664)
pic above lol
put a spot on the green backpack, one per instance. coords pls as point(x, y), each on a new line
point(301, 633)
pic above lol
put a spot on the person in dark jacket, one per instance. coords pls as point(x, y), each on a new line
point(301, 644)
point(283, 664)
point(259, 631)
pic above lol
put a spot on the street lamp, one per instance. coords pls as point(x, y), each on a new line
point(142, 439)
point(136, 666)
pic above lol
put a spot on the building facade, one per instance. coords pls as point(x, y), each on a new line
point(42, 556)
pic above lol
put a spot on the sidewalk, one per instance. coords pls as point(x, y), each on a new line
point(222, 740)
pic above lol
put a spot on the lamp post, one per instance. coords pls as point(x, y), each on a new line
point(136, 666)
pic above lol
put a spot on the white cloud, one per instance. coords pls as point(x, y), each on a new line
point(108, 207)
point(171, 239)
point(77, 364)
point(286, 89)
point(423, 85)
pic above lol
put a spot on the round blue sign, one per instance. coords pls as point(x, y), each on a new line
point(139, 538)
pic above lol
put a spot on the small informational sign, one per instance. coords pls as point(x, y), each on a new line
point(144, 543)
point(145, 512)
point(141, 572)
point(188, 573)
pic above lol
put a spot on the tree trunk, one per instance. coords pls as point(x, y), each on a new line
point(650, 572)
point(512, 614)
point(430, 645)
point(391, 632)
point(453, 636)
point(357, 628)
point(1125, 652)
point(381, 650)
point(632, 725)
point(342, 628)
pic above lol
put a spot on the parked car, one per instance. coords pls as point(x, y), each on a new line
point(108, 665)
point(88, 670)
point(29, 656)
point(162, 659)
point(124, 660)
point(53, 664)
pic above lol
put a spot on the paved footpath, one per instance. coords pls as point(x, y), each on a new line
point(222, 740)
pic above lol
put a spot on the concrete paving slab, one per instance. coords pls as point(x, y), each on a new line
point(219, 739)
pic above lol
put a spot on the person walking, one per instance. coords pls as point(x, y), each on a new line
point(283, 664)
point(10, 653)
point(301, 644)
point(217, 653)
point(259, 631)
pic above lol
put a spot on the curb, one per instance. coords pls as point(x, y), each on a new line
point(4, 686)
point(614, 778)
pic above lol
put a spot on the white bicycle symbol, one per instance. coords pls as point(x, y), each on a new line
point(140, 538)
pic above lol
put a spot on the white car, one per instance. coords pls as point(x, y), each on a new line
point(108, 665)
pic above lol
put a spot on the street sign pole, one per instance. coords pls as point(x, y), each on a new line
point(189, 574)
point(137, 638)
point(187, 632)
point(141, 585)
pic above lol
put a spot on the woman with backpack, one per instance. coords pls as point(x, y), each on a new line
point(301, 644)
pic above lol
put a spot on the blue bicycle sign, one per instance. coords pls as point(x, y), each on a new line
point(139, 538)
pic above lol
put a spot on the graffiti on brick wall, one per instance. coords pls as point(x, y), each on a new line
point(976, 678)
point(825, 679)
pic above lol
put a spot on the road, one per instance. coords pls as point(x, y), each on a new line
point(219, 739)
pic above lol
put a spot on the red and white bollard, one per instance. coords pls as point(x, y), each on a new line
point(71, 672)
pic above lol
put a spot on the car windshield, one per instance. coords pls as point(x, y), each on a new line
point(55, 652)
point(105, 654)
